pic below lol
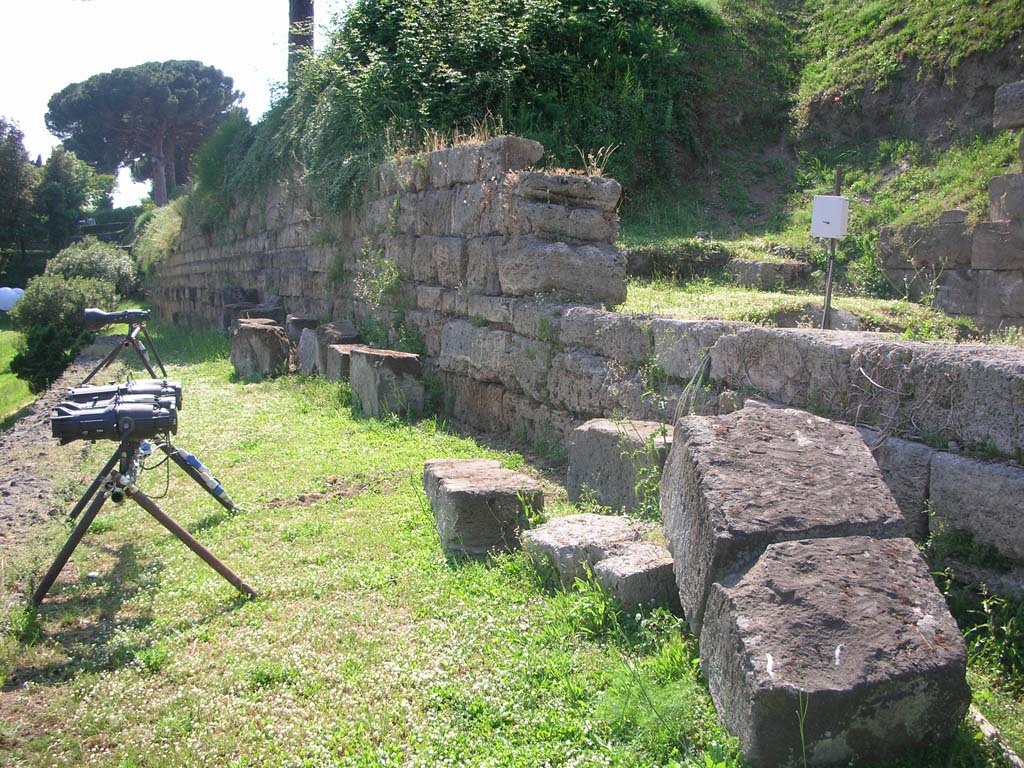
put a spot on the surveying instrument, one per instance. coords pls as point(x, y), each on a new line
point(141, 416)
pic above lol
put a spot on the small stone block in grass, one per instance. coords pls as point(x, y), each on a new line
point(338, 363)
point(735, 484)
point(308, 352)
point(605, 457)
point(384, 381)
point(640, 576)
point(258, 349)
point(575, 543)
point(850, 631)
point(478, 506)
point(295, 324)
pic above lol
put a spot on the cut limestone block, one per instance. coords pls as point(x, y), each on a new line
point(1009, 107)
point(998, 245)
point(295, 324)
point(905, 469)
point(850, 631)
point(478, 506)
point(1006, 197)
point(385, 381)
point(335, 332)
point(259, 349)
point(339, 361)
point(606, 458)
point(309, 351)
point(575, 543)
point(981, 497)
point(735, 484)
point(640, 576)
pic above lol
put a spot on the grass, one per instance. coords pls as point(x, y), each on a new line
point(14, 393)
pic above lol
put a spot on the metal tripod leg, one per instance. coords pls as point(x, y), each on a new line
point(95, 485)
point(69, 546)
point(195, 469)
point(133, 492)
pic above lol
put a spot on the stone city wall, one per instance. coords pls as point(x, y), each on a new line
point(504, 274)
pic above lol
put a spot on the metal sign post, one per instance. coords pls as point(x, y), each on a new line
point(829, 218)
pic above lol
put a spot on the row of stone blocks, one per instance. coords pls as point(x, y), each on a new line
point(383, 381)
point(822, 634)
point(481, 508)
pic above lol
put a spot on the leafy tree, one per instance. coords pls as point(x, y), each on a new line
point(67, 188)
point(151, 116)
point(18, 179)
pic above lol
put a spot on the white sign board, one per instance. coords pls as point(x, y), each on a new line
point(830, 216)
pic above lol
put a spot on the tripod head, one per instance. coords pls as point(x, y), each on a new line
point(94, 319)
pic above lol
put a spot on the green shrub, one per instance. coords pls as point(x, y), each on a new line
point(159, 232)
point(50, 317)
point(91, 258)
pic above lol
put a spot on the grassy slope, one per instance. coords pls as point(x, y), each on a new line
point(14, 393)
point(367, 647)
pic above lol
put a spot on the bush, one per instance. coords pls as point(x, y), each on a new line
point(93, 259)
point(50, 317)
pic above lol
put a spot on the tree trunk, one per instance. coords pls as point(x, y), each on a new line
point(159, 170)
point(300, 35)
point(171, 164)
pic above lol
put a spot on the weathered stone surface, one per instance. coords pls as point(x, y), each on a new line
point(956, 292)
point(1006, 197)
point(477, 403)
point(537, 319)
point(482, 265)
point(769, 275)
point(295, 324)
point(588, 273)
point(851, 630)
point(1009, 107)
point(735, 484)
point(339, 361)
point(598, 192)
point(606, 457)
point(430, 325)
point(640, 576)
point(547, 429)
point(259, 349)
point(560, 222)
point(508, 153)
point(905, 469)
point(575, 543)
point(796, 367)
point(998, 245)
point(1001, 293)
point(480, 353)
point(984, 498)
point(943, 246)
point(384, 381)
point(309, 352)
point(478, 506)
point(623, 338)
point(590, 385)
point(810, 315)
point(334, 332)
point(681, 345)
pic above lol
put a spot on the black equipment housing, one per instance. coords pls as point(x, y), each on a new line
point(135, 417)
point(96, 318)
point(159, 388)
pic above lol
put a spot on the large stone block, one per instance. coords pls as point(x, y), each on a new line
point(623, 338)
point(479, 507)
point(850, 631)
point(478, 352)
point(804, 368)
point(640, 576)
point(945, 245)
point(477, 403)
point(998, 245)
point(905, 469)
point(608, 458)
point(956, 291)
point(571, 190)
point(587, 273)
point(735, 484)
point(508, 153)
point(1001, 294)
point(590, 385)
point(295, 324)
point(334, 332)
point(680, 346)
point(482, 265)
point(1009, 107)
point(384, 381)
point(259, 349)
point(575, 543)
point(560, 222)
point(1006, 197)
point(338, 362)
point(769, 275)
point(983, 498)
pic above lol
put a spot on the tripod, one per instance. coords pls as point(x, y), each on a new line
point(136, 327)
point(119, 484)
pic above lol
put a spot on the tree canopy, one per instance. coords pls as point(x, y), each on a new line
point(67, 188)
point(18, 179)
point(150, 116)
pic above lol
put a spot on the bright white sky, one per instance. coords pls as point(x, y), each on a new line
point(47, 44)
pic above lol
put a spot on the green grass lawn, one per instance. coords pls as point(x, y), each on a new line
point(14, 393)
point(367, 646)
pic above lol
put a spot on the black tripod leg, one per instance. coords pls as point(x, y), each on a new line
point(105, 361)
point(152, 348)
point(195, 469)
point(144, 355)
point(69, 548)
point(167, 522)
point(97, 481)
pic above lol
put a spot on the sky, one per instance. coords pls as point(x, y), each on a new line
point(47, 44)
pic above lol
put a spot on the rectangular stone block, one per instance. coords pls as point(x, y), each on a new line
point(1001, 294)
point(853, 633)
point(623, 338)
point(479, 353)
point(430, 325)
point(589, 385)
point(338, 362)
point(598, 192)
point(480, 508)
point(592, 274)
point(956, 292)
point(502, 154)
point(476, 403)
point(905, 468)
point(735, 484)
point(983, 498)
point(450, 259)
point(998, 245)
point(384, 381)
point(607, 459)
point(560, 222)
point(574, 544)
point(640, 576)
point(482, 265)
point(945, 245)
point(681, 345)
point(1006, 197)
point(1009, 107)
